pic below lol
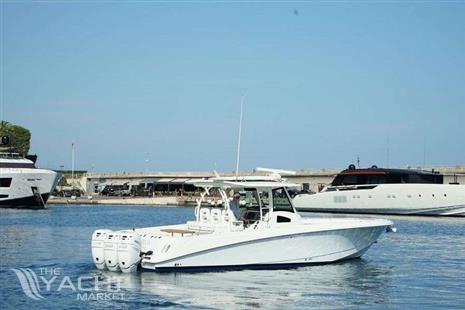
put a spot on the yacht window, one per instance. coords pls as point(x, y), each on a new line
point(17, 165)
point(426, 178)
point(376, 179)
point(281, 201)
point(395, 178)
point(349, 180)
point(5, 182)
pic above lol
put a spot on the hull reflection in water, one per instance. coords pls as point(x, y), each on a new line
point(323, 285)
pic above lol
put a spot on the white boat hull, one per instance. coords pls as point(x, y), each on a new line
point(20, 193)
point(399, 199)
point(264, 250)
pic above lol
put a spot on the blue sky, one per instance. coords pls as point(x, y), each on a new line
point(323, 83)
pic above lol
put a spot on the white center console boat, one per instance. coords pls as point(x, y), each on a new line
point(270, 233)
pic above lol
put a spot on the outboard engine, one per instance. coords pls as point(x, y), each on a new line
point(129, 248)
point(111, 250)
point(98, 244)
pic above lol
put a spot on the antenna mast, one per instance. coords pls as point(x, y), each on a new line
point(239, 140)
point(72, 162)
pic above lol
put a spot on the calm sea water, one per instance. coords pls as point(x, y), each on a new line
point(420, 266)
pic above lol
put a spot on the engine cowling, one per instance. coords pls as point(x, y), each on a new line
point(111, 251)
point(129, 248)
point(98, 245)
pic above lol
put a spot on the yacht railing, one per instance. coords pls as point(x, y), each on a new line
point(11, 156)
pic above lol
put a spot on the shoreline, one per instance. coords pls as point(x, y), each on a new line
point(140, 201)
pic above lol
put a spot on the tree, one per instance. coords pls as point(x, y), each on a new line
point(20, 137)
point(63, 181)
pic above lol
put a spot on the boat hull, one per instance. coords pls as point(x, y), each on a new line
point(457, 211)
point(30, 202)
point(27, 188)
point(395, 199)
point(278, 251)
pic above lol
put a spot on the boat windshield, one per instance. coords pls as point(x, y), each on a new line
point(281, 200)
point(251, 198)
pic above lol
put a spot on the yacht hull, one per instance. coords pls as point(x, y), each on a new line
point(31, 202)
point(27, 188)
point(396, 199)
point(267, 251)
point(458, 211)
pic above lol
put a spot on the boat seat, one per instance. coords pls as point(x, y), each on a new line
point(215, 215)
point(228, 216)
point(204, 215)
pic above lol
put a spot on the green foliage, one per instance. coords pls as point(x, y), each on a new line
point(20, 137)
point(63, 181)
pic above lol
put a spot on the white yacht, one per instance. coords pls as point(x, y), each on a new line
point(387, 191)
point(22, 185)
point(270, 233)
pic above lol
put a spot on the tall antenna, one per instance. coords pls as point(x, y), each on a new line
point(239, 140)
point(72, 162)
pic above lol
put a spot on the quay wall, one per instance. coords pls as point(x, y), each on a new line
point(93, 200)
